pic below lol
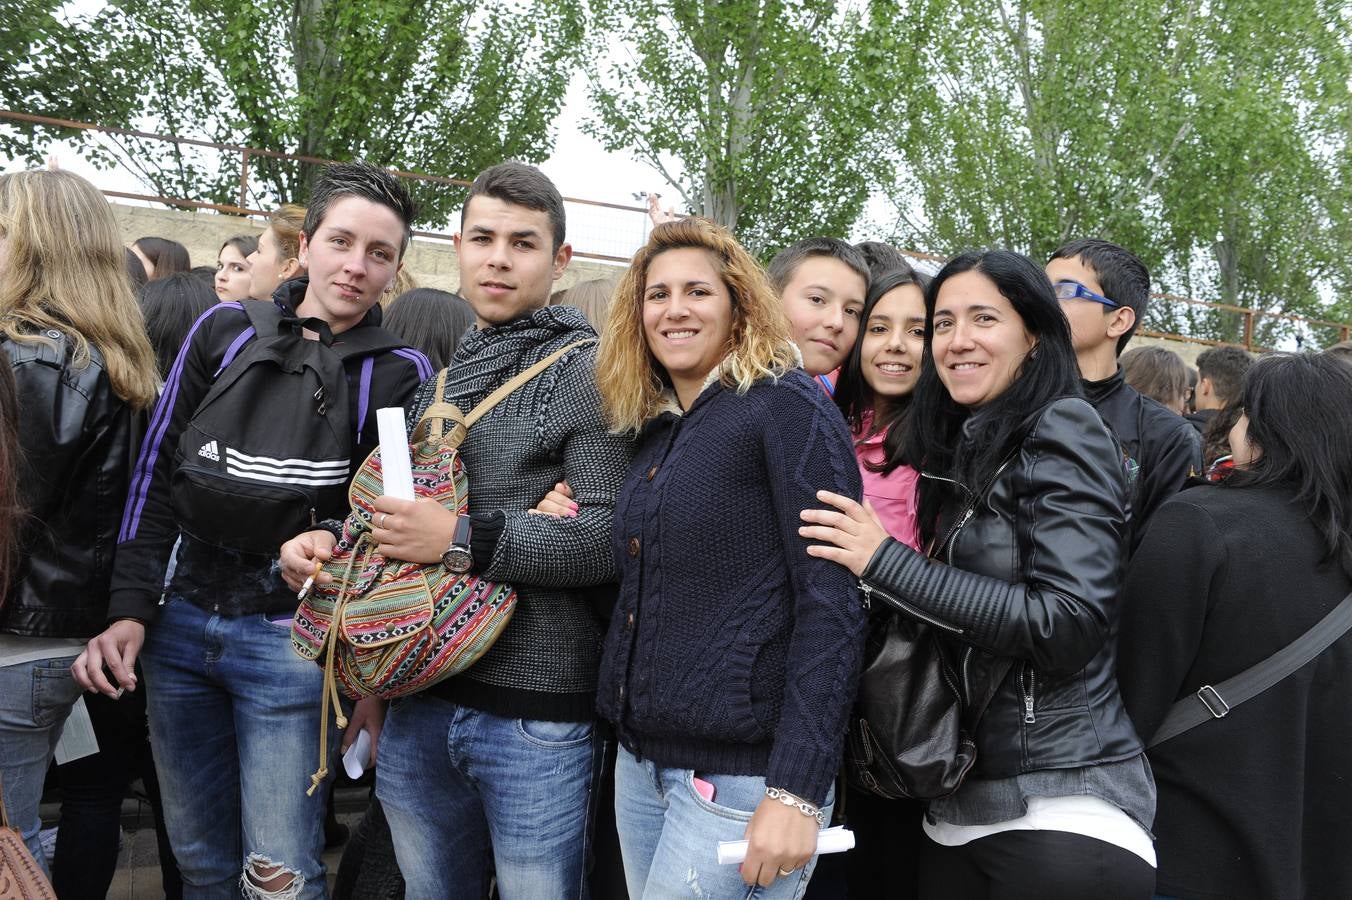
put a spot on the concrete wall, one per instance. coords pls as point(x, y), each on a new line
point(432, 262)
point(1189, 350)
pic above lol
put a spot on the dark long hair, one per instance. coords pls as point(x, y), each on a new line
point(431, 321)
point(853, 394)
point(170, 306)
point(1300, 417)
point(949, 440)
point(11, 510)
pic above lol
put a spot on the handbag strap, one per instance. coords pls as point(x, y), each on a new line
point(1217, 702)
point(4, 814)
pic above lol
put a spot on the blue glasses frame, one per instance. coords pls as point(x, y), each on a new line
point(1070, 290)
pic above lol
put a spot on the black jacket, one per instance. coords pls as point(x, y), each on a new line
point(1163, 450)
point(1033, 574)
point(1253, 805)
point(77, 440)
point(1201, 420)
point(231, 583)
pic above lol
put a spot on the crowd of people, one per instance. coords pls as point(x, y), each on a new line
point(720, 491)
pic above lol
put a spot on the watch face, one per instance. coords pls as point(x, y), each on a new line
point(457, 559)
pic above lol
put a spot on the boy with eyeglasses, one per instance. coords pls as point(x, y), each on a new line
point(1104, 290)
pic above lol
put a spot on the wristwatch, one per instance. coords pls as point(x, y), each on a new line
point(458, 557)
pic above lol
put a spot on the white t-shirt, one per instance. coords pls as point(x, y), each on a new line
point(1076, 814)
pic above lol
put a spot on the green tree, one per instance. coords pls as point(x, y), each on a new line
point(762, 114)
point(1256, 200)
point(1036, 123)
point(1211, 136)
point(441, 86)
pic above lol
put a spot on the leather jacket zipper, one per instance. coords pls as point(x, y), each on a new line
point(966, 671)
point(910, 610)
point(951, 538)
point(1028, 717)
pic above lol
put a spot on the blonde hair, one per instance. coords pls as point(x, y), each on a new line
point(286, 223)
point(629, 377)
point(65, 270)
point(403, 283)
point(592, 297)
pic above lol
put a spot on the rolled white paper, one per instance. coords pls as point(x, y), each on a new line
point(394, 459)
point(832, 840)
point(358, 755)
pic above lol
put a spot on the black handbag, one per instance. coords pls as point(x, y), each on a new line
point(910, 734)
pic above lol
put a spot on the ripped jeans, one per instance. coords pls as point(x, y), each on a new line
point(234, 722)
point(669, 834)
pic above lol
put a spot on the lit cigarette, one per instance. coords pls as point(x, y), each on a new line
point(309, 582)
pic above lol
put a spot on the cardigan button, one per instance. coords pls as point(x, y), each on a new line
point(652, 472)
point(629, 621)
point(633, 546)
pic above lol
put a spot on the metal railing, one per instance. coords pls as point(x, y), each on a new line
point(1211, 323)
point(242, 205)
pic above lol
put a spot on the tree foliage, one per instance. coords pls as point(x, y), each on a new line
point(442, 86)
point(761, 113)
point(1211, 136)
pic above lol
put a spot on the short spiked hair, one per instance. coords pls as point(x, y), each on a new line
point(359, 179)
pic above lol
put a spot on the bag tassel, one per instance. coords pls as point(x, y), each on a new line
point(330, 647)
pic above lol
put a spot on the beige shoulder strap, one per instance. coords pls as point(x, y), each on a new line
point(503, 392)
point(440, 411)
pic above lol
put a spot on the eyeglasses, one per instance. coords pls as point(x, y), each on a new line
point(1070, 290)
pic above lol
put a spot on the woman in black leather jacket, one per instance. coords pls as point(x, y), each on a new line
point(84, 370)
point(1023, 504)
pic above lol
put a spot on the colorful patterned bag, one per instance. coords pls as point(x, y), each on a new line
point(388, 628)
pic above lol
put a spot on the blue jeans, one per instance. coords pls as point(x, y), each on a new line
point(35, 699)
point(669, 834)
point(234, 722)
point(458, 784)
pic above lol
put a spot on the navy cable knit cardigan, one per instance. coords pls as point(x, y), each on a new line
point(731, 650)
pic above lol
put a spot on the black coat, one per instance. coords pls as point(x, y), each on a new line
point(77, 437)
point(1163, 450)
point(1255, 804)
point(1034, 574)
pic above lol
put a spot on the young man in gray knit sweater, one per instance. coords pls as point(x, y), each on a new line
point(501, 758)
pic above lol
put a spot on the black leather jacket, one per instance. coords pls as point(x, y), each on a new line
point(77, 440)
point(1032, 574)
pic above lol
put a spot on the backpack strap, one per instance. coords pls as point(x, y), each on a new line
point(443, 412)
point(507, 389)
point(449, 418)
point(1216, 702)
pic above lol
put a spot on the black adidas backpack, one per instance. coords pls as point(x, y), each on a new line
point(267, 453)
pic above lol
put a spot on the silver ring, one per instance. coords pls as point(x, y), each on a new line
point(383, 517)
point(783, 874)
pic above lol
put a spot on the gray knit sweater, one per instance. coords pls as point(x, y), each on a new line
point(544, 665)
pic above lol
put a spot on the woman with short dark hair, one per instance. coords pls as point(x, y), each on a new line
point(1023, 506)
point(1254, 804)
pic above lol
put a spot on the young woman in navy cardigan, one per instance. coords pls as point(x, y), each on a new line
point(732, 656)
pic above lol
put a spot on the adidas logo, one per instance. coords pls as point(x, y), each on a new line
point(210, 451)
